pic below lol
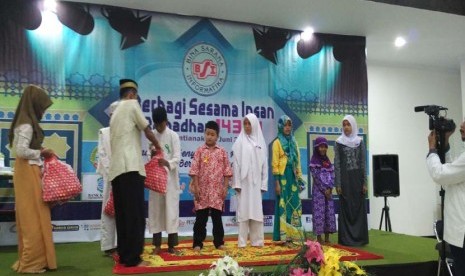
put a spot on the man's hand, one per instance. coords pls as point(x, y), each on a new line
point(149, 134)
point(46, 153)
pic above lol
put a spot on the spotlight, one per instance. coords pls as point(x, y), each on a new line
point(75, 17)
point(307, 48)
point(133, 28)
point(269, 40)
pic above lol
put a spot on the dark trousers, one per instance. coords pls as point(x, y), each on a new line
point(200, 230)
point(172, 239)
point(128, 195)
point(459, 259)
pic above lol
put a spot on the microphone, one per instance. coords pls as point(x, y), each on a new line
point(429, 108)
point(420, 108)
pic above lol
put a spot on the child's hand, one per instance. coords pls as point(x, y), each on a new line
point(328, 193)
point(277, 188)
point(162, 162)
point(193, 189)
point(225, 192)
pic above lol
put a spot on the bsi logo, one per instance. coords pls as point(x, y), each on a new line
point(204, 69)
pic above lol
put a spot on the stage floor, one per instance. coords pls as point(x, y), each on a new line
point(403, 253)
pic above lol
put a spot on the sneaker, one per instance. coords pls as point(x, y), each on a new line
point(221, 247)
point(197, 248)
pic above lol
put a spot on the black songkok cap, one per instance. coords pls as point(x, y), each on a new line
point(127, 83)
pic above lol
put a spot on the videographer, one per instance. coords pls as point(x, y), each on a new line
point(451, 176)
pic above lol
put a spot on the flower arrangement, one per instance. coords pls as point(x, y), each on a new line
point(313, 261)
point(227, 266)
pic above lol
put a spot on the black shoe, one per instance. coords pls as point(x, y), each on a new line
point(173, 251)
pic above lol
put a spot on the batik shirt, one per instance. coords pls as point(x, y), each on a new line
point(211, 167)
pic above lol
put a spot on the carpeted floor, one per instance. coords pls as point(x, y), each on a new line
point(188, 259)
point(85, 258)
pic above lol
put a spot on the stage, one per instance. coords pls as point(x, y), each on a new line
point(402, 255)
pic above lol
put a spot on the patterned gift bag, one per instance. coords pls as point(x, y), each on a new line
point(157, 176)
point(109, 208)
point(59, 182)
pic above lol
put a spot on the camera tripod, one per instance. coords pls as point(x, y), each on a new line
point(387, 218)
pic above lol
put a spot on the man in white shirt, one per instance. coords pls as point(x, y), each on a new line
point(451, 176)
point(127, 173)
point(164, 208)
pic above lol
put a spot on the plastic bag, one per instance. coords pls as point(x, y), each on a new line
point(109, 208)
point(157, 176)
point(59, 181)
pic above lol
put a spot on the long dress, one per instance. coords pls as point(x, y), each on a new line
point(108, 224)
point(323, 217)
point(36, 250)
point(350, 177)
point(288, 206)
point(250, 177)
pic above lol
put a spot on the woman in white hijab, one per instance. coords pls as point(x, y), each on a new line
point(250, 180)
point(350, 180)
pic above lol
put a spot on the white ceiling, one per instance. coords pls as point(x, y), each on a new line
point(435, 39)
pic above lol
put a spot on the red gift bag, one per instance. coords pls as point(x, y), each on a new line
point(109, 208)
point(59, 182)
point(157, 176)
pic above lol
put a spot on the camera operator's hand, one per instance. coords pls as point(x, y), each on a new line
point(432, 140)
point(448, 134)
point(462, 131)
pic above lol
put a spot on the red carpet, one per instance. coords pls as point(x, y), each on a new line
point(188, 259)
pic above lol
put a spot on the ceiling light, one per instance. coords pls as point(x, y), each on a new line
point(400, 42)
point(307, 34)
point(50, 5)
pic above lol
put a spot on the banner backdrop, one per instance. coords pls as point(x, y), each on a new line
point(199, 69)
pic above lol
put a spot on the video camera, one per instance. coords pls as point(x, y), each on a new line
point(439, 123)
